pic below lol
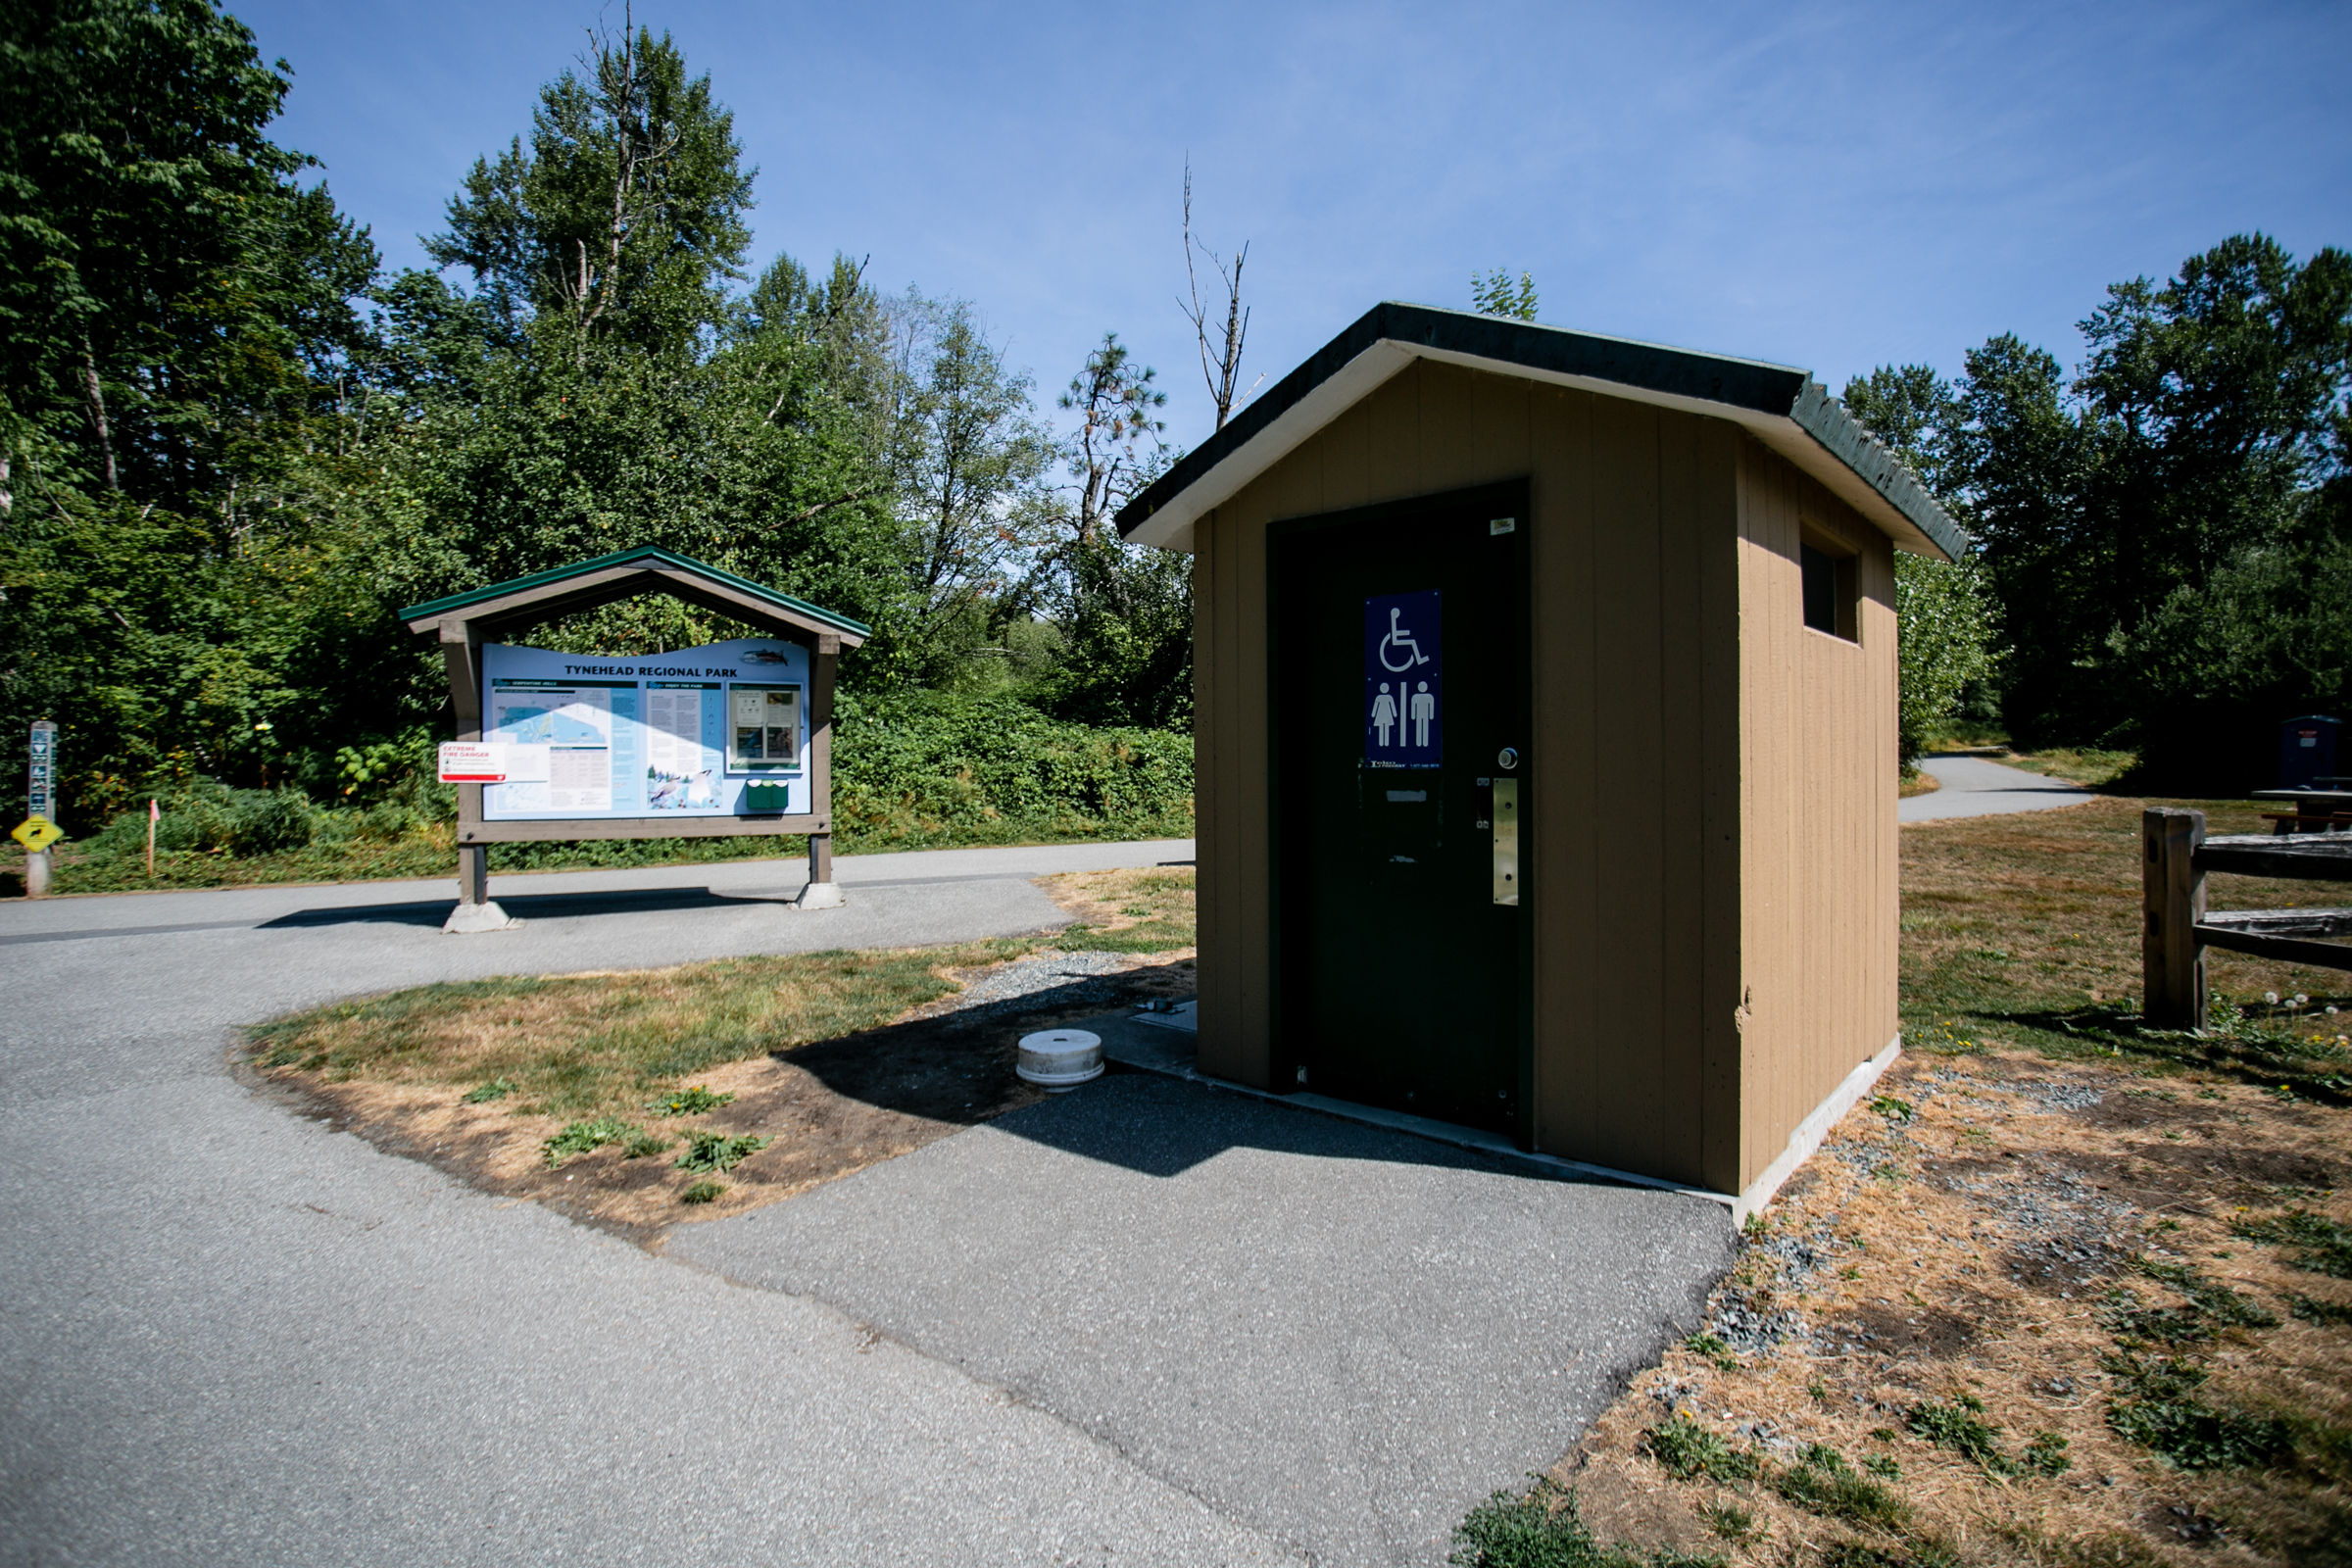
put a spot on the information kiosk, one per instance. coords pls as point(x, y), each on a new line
point(731, 738)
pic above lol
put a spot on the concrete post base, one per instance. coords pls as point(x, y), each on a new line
point(466, 919)
point(821, 896)
point(37, 874)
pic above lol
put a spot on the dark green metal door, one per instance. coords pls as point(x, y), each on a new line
point(1398, 649)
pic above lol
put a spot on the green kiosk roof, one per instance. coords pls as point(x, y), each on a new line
point(624, 574)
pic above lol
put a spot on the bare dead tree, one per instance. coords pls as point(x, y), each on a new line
point(640, 148)
point(94, 395)
point(1220, 359)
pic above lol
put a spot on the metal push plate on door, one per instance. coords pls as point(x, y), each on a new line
point(1507, 840)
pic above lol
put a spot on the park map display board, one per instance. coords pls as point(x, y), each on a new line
point(717, 731)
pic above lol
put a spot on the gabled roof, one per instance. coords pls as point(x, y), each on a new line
point(648, 569)
point(1783, 407)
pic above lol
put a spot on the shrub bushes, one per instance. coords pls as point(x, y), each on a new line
point(930, 766)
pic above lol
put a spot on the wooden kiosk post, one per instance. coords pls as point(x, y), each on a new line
point(463, 623)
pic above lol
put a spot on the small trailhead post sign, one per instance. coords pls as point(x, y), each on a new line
point(728, 739)
point(39, 828)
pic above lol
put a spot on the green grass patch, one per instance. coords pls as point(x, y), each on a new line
point(689, 1103)
point(707, 1150)
point(602, 1045)
point(2322, 1244)
point(1714, 1349)
point(1543, 1530)
point(701, 1192)
point(483, 1093)
point(1822, 1482)
point(579, 1137)
point(1961, 1427)
point(1728, 1521)
point(643, 1144)
point(2327, 1314)
point(1688, 1450)
point(2024, 931)
point(1149, 935)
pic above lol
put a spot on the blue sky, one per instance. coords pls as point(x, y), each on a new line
point(1834, 187)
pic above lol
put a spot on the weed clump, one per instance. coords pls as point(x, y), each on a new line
point(701, 1192)
point(1687, 1449)
point(2047, 1455)
point(1962, 1428)
point(1823, 1483)
point(2210, 1298)
point(2324, 1245)
point(2327, 1314)
point(640, 1144)
point(689, 1103)
point(707, 1150)
point(1714, 1349)
point(2157, 1375)
point(1732, 1522)
point(1543, 1530)
point(2158, 1410)
point(579, 1137)
point(483, 1093)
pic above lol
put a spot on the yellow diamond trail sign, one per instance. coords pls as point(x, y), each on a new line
point(36, 833)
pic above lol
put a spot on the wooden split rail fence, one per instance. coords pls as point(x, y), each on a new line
point(2176, 927)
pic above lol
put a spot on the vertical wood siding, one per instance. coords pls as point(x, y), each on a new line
point(1646, 580)
point(1820, 896)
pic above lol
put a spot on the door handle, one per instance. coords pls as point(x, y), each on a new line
point(1504, 824)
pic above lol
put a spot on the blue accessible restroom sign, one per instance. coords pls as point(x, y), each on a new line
point(1404, 696)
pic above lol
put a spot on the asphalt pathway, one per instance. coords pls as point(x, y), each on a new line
point(1977, 786)
point(1338, 1334)
point(228, 1335)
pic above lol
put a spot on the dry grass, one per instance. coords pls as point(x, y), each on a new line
point(2040, 1213)
point(2026, 930)
point(1148, 909)
point(838, 1059)
point(576, 1046)
point(2089, 768)
point(1920, 784)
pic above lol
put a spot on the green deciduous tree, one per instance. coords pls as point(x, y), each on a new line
point(624, 219)
point(971, 458)
point(1496, 293)
point(1117, 448)
point(180, 356)
point(2145, 526)
point(1945, 617)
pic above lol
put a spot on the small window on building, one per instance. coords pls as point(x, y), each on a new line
point(1829, 583)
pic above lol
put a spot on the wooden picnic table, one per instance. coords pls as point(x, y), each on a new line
point(2317, 810)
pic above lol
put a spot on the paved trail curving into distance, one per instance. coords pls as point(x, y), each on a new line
point(230, 1336)
point(1977, 786)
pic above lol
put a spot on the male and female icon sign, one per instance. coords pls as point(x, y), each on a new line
point(1403, 680)
point(1420, 707)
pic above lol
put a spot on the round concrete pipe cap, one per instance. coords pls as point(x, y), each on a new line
point(1061, 1059)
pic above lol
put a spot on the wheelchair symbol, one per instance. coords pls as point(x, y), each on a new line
point(1403, 641)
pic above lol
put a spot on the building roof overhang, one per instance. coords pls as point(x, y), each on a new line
point(1783, 407)
point(508, 606)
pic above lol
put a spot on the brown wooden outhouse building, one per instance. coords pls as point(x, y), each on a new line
point(1545, 727)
